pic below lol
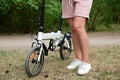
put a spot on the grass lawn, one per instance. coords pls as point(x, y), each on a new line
point(105, 65)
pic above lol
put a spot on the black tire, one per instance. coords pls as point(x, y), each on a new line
point(31, 62)
point(64, 50)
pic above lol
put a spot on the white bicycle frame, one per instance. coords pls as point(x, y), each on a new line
point(47, 36)
point(56, 36)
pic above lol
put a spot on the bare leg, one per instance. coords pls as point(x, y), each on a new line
point(78, 56)
point(80, 44)
point(80, 38)
point(75, 41)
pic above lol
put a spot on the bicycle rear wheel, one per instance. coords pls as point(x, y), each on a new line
point(32, 66)
point(65, 48)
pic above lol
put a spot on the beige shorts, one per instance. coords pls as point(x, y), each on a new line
point(81, 8)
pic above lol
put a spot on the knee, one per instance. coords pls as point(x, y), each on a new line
point(77, 28)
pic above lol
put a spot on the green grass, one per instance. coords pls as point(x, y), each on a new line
point(105, 65)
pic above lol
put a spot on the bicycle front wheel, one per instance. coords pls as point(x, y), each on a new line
point(32, 66)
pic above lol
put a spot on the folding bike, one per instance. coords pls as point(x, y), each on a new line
point(35, 57)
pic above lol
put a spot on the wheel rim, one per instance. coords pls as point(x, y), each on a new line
point(65, 50)
point(33, 62)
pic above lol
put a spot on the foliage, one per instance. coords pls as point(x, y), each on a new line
point(21, 16)
point(17, 16)
point(104, 12)
point(52, 14)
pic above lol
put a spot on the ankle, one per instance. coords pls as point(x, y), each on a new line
point(88, 62)
point(79, 59)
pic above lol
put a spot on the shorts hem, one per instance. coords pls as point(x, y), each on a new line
point(82, 16)
point(67, 16)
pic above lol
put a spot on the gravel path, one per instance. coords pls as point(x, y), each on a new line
point(24, 41)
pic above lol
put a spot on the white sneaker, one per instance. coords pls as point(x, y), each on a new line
point(74, 64)
point(84, 68)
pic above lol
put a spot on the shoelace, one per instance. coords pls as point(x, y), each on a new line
point(83, 66)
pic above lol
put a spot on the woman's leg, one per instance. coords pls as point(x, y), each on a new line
point(79, 29)
point(75, 40)
point(80, 44)
point(79, 38)
point(78, 57)
point(82, 38)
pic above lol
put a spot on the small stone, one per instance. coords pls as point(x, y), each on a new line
point(7, 71)
point(46, 76)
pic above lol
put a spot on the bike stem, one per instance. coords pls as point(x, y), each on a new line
point(60, 24)
point(41, 20)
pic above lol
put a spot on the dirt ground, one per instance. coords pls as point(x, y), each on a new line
point(104, 54)
point(25, 41)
